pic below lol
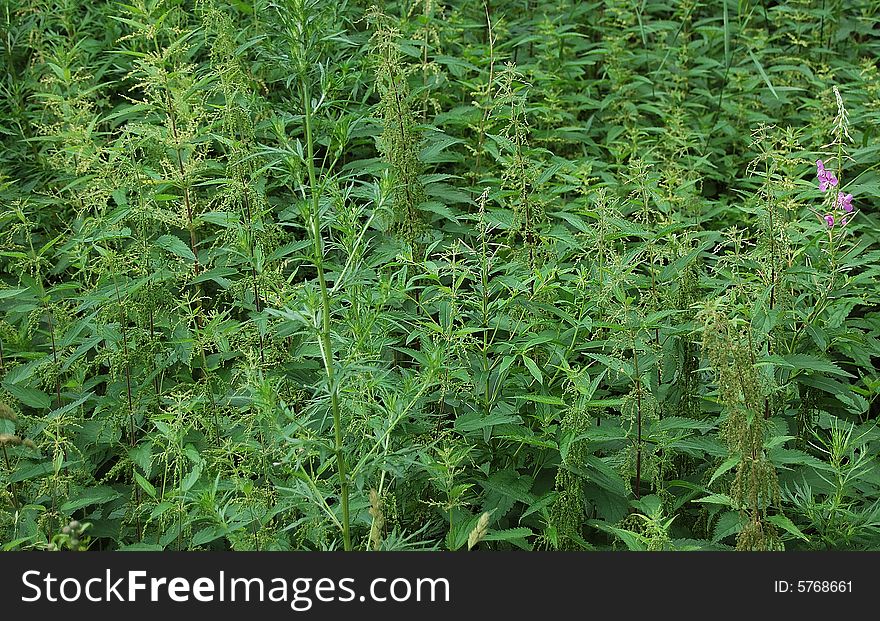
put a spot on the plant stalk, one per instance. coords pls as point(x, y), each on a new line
point(324, 328)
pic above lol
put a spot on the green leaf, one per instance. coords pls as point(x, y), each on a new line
point(716, 499)
point(510, 484)
point(176, 246)
point(30, 397)
point(787, 525)
point(533, 369)
point(728, 463)
point(728, 524)
point(547, 399)
point(542, 503)
point(9, 293)
point(461, 528)
point(145, 485)
point(190, 479)
point(473, 421)
point(763, 74)
point(600, 473)
point(34, 471)
point(508, 534)
point(207, 535)
point(91, 496)
point(633, 541)
point(805, 362)
point(141, 547)
point(794, 457)
point(679, 423)
point(64, 409)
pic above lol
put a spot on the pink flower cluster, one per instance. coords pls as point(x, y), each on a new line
point(844, 201)
point(826, 177)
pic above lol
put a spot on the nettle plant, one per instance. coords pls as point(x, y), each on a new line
point(767, 340)
point(300, 274)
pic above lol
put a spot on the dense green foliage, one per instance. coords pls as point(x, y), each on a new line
point(313, 274)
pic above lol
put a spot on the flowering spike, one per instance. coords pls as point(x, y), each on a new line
point(825, 176)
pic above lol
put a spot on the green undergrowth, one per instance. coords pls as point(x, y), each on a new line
point(473, 275)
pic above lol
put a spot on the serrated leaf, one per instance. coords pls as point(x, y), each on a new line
point(546, 399)
point(473, 421)
point(787, 525)
point(805, 362)
point(728, 524)
point(716, 499)
point(141, 547)
point(176, 246)
point(726, 465)
point(508, 534)
point(633, 541)
point(91, 496)
point(30, 397)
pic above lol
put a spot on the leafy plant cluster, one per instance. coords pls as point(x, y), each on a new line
point(299, 274)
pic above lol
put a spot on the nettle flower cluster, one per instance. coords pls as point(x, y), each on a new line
point(843, 204)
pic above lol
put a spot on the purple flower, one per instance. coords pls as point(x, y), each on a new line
point(844, 201)
point(845, 220)
point(829, 220)
point(826, 177)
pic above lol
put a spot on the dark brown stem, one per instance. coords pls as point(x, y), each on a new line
point(257, 301)
point(13, 492)
point(153, 340)
point(55, 360)
point(772, 241)
point(638, 422)
point(656, 302)
point(485, 117)
point(132, 436)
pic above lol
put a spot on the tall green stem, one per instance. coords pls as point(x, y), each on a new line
point(326, 351)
